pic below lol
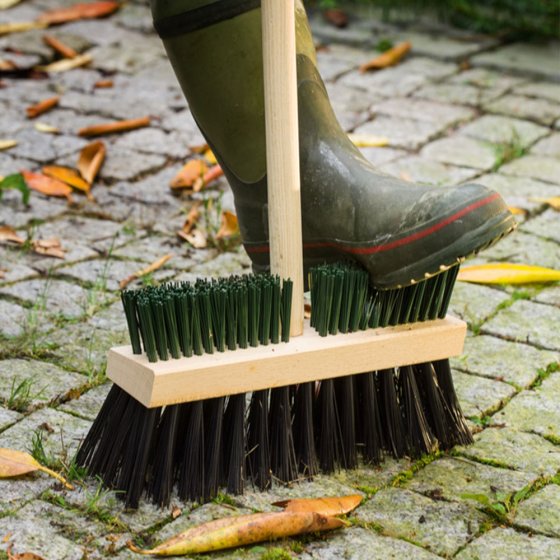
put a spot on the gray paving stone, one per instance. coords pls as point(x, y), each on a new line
point(519, 450)
point(422, 110)
point(478, 395)
point(8, 417)
point(225, 264)
point(50, 296)
point(31, 42)
point(9, 165)
point(537, 410)
point(503, 543)
point(450, 478)
point(88, 404)
point(547, 90)
point(549, 146)
point(379, 156)
point(123, 165)
point(529, 322)
point(541, 512)
point(441, 527)
point(12, 267)
point(499, 359)
point(504, 130)
point(153, 141)
point(16, 317)
point(549, 295)
point(336, 60)
point(520, 106)
point(500, 82)
point(545, 225)
point(15, 492)
point(475, 303)
point(154, 247)
point(461, 94)
point(537, 167)
point(356, 543)
point(14, 213)
point(44, 148)
point(535, 59)
point(47, 382)
point(462, 151)
point(351, 35)
point(389, 82)
point(422, 170)
point(401, 133)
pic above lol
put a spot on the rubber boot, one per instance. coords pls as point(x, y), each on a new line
point(401, 233)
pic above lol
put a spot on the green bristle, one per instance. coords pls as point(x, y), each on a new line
point(254, 300)
point(171, 326)
point(183, 314)
point(338, 285)
point(450, 283)
point(348, 289)
point(196, 324)
point(312, 281)
point(419, 297)
point(266, 310)
point(205, 307)
point(410, 299)
point(231, 316)
point(158, 317)
point(368, 313)
point(218, 300)
point(427, 299)
point(397, 307)
point(286, 308)
point(439, 291)
point(275, 312)
point(128, 298)
point(242, 300)
point(147, 328)
point(359, 302)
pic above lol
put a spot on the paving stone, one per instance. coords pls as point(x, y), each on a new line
point(402, 133)
point(12, 269)
point(154, 141)
point(44, 148)
point(154, 247)
point(360, 544)
point(499, 359)
point(225, 264)
point(15, 492)
point(475, 303)
point(540, 110)
point(541, 512)
point(451, 478)
point(50, 296)
point(379, 156)
point(441, 527)
point(9, 165)
point(524, 248)
point(135, 17)
point(422, 170)
point(520, 192)
point(503, 543)
point(461, 151)
point(461, 94)
point(350, 105)
point(8, 417)
point(547, 90)
point(549, 146)
point(336, 60)
point(123, 165)
point(537, 410)
point(549, 295)
point(537, 167)
point(504, 130)
point(16, 317)
point(61, 433)
point(31, 42)
point(387, 83)
point(488, 79)
point(88, 404)
point(545, 225)
point(351, 35)
point(47, 382)
point(478, 395)
point(519, 450)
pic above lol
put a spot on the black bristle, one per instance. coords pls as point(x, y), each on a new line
point(391, 415)
point(346, 406)
point(368, 422)
point(327, 431)
point(282, 453)
point(303, 430)
point(213, 464)
point(234, 443)
point(258, 458)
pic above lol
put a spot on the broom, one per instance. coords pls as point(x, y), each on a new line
point(177, 413)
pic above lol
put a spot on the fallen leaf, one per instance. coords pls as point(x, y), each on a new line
point(241, 530)
point(42, 107)
point(46, 128)
point(388, 58)
point(368, 140)
point(7, 144)
point(210, 157)
point(199, 148)
point(196, 238)
point(507, 273)
point(58, 46)
point(66, 64)
point(103, 84)
point(339, 505)
point(7, 66)
point(21, 555)
point(110, 128)
point(5, 4)
point(68, 176)
point(517, 211)
point(209, 177)
point(176, 512)
point(148, 270)
point(47, 185)
point(229, 226)
point(88, 10)
point(15, 181)
point(91, 159)
point(553, 202)
point(15, 463)
point(48, 248)
point(336, 17)
point(192, 218)
point(9, 234)
point(19, 26)
point(188, 174)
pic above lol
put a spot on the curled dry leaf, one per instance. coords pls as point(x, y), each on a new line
point(79, 11)
point(42, 107)
point(46, 128)
point(47, 185)
point(16, 463)
point(103, 84)
point(199, 148)
point(149, 269)
point(196, 238)
point(7, 144)
point(338, 505)
point(111, 128)
point(368, 140)
point(388, 58)
point(9, 235)
point(19, 26)
point(242, 530)
point(209, 177)
point(507, 273)
point(68, 176)
point(176, 512)
point(58, 46)
point(7, 66)
point(66, 64)
point(189, 173)
point(48, 248)
point(229, 226)
point(192, 218)
point(91, 159)
point(21, 555)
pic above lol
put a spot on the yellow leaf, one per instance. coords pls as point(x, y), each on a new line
point(66, 64)
point(15, 463)
point(229, 226)
point(368, 140)
point(46, 128)
point(210, 157)
point(147, 270)
point(507, 273)
point(68, 176)
point(553, 202)
point(241, 530)
point(338, 505)
point(7, 144)
point(388, 58)
point(188, 174)
point(517, 211)
point(19, 26)
point(91, 159)
point(5, 4)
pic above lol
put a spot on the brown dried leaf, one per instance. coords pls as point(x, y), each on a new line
point(7, 144)
point(66, 64)
point(176, 512)
point(9, 235)
point(199, 148)
point(336, 17)
point(338, 505)
point(58, 46)
point(5, 4)
point(42, 107)
point(48, 248)
point(241, 530)
point(21, 555)
point(192, 218)
point(15, 463)
point(196, 238)
point(47, 185)
point(7, 66)
point(91, 159)
point(103, 84)
point(149, 269)
point(209, 177)
point(189, 173)
point(79, 11)
point(388, 58)
point(111, 128)
point(19, 26)
point(68, 176)
point(229, 226)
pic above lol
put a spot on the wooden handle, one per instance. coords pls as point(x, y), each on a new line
point(282, 149)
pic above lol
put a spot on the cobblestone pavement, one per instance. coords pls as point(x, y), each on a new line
point(459, 108)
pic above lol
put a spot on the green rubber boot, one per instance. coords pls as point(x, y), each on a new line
point(401, 233)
